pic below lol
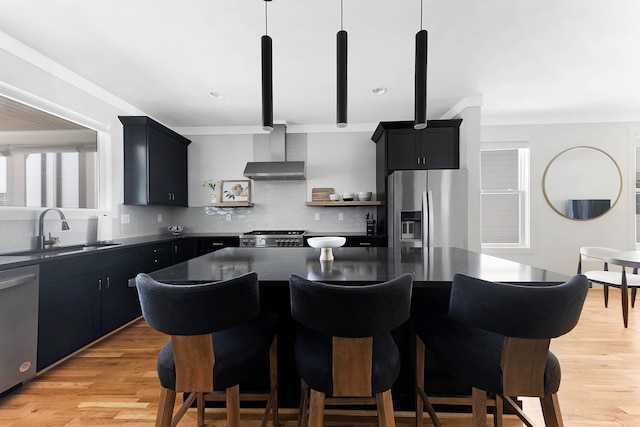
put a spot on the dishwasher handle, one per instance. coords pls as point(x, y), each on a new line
point(17, 281)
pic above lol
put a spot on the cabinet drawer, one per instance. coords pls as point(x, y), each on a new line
point(211, 244)
point(157, 256)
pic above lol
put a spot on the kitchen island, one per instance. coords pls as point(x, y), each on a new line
point(432, 268)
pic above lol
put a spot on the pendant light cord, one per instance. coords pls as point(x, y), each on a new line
point(266, 20)
point(341, 16)
point(421, 28)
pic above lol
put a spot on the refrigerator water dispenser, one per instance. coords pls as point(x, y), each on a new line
point(410, 225)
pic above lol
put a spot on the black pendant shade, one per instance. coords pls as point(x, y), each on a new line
point(267, 84)
point(420, 97)
point(341, 116)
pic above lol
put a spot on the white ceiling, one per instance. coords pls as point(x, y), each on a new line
point(523, 60)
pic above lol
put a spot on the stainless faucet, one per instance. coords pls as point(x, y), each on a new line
point(42, 240)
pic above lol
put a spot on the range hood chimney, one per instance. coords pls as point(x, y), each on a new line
point(276, 167)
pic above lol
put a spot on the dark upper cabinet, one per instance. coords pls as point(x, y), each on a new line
point(155, 163)
point(403, 148)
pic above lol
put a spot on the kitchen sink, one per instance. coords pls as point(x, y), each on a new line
point(61, 249)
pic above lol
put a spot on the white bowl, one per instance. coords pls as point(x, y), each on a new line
point(365, 196)
point(334, 197)
point(175, 229)
point(347, 197)
point(326, 242)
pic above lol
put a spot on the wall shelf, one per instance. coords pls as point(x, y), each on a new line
point(338, 203)
point(231, 205)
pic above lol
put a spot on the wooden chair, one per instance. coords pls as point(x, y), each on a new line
point(219, 339)
point(608, 278)
point(344, 348)
point(496, 339)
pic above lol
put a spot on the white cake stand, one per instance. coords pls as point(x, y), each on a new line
point(326, 244)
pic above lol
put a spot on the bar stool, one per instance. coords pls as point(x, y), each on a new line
point(343, 347)
point(218, 337)
point(496, 339)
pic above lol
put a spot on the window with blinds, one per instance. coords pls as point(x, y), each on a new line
point(504, 197)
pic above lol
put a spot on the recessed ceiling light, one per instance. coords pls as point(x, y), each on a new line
point(217, 95)
point(379, 91)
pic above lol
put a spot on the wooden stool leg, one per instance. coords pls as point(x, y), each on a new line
point(633, 297)
point(233, 406)
point(303, 411)
point(606, 295)
point(316, 408)
point(200, 408)
point(384, 405)
point(479, 408)
point(165, 408)
point(498, 411)
point(551, 411)
point(422, 400)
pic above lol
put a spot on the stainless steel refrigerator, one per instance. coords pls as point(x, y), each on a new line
point(428, 208)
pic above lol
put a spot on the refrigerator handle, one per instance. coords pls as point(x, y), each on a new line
point(427, 219)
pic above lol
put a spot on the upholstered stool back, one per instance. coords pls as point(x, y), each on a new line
point(522, 311)
point(344, 347)
point(198, 309)
point(351, 310)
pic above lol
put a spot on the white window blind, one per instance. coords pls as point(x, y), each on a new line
point(503, 197)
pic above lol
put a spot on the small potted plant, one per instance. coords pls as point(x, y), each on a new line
point(212, 185)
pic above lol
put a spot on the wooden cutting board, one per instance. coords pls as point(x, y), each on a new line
point(320, 194)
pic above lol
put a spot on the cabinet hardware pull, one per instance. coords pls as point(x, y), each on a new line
point(99, 284)
point(365, 243)
point(16, 281)
point(424, 160)
point(108, 283)
point(418, 160)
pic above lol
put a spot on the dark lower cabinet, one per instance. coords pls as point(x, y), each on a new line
point(366, 241)
point(68, 316)
point(157, 256)
point(183, 250)
point(361, 241)
point(119, 301)
point(207, 245)
point(84, 297)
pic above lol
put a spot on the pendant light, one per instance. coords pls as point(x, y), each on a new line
point(341, 42)
point(267, 76)
point(420, 95)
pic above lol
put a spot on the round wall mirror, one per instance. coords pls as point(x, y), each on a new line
point(582, 183)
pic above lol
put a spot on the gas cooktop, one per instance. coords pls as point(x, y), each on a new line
point(275, 233)
point(272, 238)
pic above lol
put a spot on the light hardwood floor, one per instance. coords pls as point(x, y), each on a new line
point(114, 382)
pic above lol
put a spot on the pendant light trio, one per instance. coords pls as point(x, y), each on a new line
point(420, 95)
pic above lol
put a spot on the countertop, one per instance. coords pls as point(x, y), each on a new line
point(352, 266)
point(14, 261)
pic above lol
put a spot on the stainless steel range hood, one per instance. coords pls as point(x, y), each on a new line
point(276, 166)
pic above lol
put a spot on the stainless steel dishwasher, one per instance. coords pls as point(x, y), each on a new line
point(18, 325)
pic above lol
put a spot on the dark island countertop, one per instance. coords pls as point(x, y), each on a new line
point(353, 266)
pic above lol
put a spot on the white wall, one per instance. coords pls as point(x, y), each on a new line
point(555, 240)
point(342, 160)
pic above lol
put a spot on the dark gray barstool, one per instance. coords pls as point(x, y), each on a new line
point(343, 345)
point(496, 338)
point(219, 339)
